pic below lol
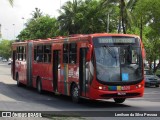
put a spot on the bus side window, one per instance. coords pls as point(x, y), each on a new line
point(17, 53)
point(65, 53)
point(47, 53)
point(40, 56)
point(72, 53)
point(20, 52)
point(35, 53)
point(24, 53)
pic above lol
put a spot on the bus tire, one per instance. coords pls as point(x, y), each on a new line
point(17, 79)
point(75, 93)
point(39, 86)
point(119, 100)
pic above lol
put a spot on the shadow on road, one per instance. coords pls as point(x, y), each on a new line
point(25, 94)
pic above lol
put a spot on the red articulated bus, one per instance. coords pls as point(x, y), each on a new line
point(94, 66)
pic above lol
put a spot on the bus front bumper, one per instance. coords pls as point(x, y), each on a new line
point(96, 94)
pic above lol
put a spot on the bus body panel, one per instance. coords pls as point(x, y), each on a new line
point(44, 72)
point(19, 64)
point(104, 93)
point(58, 75)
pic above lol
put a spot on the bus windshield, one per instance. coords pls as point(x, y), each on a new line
point(118, 60)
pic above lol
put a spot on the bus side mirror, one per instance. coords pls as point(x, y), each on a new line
point(89, 53)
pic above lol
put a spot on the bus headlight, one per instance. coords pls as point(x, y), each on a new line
point(138, 86)
point(100, 87)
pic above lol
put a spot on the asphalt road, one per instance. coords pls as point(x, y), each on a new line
point(13, 98)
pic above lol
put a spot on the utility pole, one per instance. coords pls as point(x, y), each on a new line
point(14, 31)
point(23, 22)
point(108, 23)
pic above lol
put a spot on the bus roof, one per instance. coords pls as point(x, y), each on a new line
point(112, 34)
point(74, 36)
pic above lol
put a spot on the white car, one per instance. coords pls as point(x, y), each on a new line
point(4, 60)
point(9, 63)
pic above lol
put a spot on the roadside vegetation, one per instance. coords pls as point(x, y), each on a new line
point(139, 17)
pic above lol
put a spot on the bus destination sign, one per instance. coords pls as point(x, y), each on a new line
point(116, 40)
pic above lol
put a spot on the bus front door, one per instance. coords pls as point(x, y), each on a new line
point(56, 68)
point(82, 72)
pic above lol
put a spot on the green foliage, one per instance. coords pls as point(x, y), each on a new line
point(125, 12)
point(5, 48)
point(36, 14)
point(150, 12)
point(11, 2)
point(139, 17)
point(70, 17)
point(93, 17)
point(42, 27)
point(83, 17)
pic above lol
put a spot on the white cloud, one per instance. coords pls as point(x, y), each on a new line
point(23, 8)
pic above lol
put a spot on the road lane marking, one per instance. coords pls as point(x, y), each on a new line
point(154, 92)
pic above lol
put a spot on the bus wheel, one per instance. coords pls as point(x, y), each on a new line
point(119, 100)
point(18, 83)
point(75, 93)
point(39, 86)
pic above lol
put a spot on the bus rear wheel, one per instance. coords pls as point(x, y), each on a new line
point(39, 86)
point(75, 93)
point(119, 100)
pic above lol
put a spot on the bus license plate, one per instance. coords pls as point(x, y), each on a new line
point(125, 88)
point(121, 93)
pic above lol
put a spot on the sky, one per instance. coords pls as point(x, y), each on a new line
point(11, 18)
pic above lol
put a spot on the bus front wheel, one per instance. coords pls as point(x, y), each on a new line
point(75, 93)
point(119, 100)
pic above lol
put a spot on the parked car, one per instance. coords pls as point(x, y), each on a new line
point(151, 79)
point(9, 62)
point(158, 76)
point(4, 60)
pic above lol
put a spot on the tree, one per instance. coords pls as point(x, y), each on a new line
point(82, 17)
point(150, 11)
point(125, 12)
point(94, 20)
point(36, 14)
point(11, 2)
point(111, 15)
point(41, 28)
point(70, 16)
point(5, 49)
